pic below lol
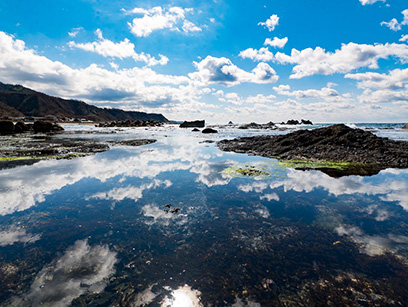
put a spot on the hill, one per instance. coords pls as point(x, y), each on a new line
point(16, 101)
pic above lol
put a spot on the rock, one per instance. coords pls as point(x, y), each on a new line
point(21, 127)
point(230, 123)
point(361, 151)
point(269, 125)
point(196, 123)
point(6, 127)
point(195, 130)
point(209, 130)
point(131, 123)
point(405, 126)
point(43, 126)
point(292, 122)
point(306, 122)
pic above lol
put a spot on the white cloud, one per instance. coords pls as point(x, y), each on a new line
point(188, 26)
point(325, 92)
point(276, 42)
point(391, 87)
point(403, 38)
point(15, 234)
point(260, 98)
point(159, 18)
point(270, 23)
point(260, 55)
point(82, 269)
point(122, 50)
point(74, 32)
point(19, 64)
point(364, 2)
point(222, 71)
point(394, 25)
point(351, 56)
point(394, 80)
point(131, 192)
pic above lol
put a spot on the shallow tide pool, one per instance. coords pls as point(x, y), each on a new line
point(174, 223)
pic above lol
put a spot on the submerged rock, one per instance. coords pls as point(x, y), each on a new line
point(193, 124)
point(359, 151)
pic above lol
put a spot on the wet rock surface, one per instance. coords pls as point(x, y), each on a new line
point(26, 149)
point(366, 153)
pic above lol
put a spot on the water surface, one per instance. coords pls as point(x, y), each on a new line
point(171, 223)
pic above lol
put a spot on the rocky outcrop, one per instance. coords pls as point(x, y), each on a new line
point(131, 123)
point(296, 122)
point(209, 130)
point(43, 126)
point(405, 126)
point(193, 124)
point(6, 127)
point(337, 143)
point(269, 125)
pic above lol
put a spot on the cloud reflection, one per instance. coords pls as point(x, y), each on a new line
point(81, 269)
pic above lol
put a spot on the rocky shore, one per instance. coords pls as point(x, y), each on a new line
point(26, 149)
point(338, 150)
point(131, 123)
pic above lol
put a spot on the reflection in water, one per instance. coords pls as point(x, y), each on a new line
point(81, 269)
point(172, 225)
point(15, 234)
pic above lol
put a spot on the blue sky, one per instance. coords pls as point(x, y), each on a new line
point(264, 60)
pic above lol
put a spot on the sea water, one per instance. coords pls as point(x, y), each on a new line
point(174, 223)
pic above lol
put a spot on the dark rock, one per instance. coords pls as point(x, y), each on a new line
point(269, 125)
point(21, 127)
point(230, 123)
point(43, 126)
point(292, 122)
point(337, 143)
point(195, 130)
point(209, 130)
point(6, 127)
point(196, 123)
point(139, 142)
point(306, 122)
point(405, 126)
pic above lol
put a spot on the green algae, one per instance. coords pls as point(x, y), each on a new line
point(309, 164)
point(57, 157)
point(245, 170)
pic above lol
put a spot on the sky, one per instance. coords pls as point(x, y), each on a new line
point(218, 60)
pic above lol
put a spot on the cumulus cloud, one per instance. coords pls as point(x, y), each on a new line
point(121, 50)
point(223, 71)
point(394, 25)
point(394, 80)
point(351, 56)
point(270, 23)
point(259, 55)
point(158, 18)
point(18, 64)
point(82, 269)
point(382, 88)
point(276, 42)
point(14, 234)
